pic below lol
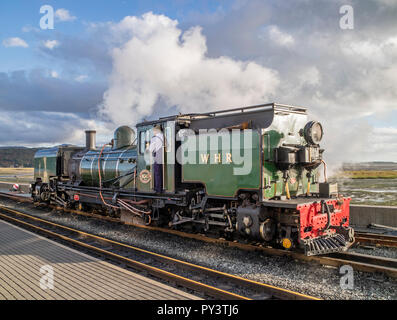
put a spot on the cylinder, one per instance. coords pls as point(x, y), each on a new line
point(90, 141)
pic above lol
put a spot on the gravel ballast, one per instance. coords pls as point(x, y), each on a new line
point(312, 279)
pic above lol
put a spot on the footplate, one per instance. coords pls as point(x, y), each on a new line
point(325, 244)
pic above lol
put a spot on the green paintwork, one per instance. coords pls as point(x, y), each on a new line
point(220, 179)
point(113, 164)
point(45, 164)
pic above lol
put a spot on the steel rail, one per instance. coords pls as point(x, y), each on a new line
point(376, 239)
point(16, 197)
point(260, 288)
point(365, 263)
point(359, 262)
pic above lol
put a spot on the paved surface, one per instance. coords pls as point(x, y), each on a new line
point(27, 260)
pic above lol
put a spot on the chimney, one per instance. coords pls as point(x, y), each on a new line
point(90, 142)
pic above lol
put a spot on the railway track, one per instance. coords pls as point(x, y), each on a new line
point(211, 283)
point(376, 239)
point(359, 262)
point(15, 197)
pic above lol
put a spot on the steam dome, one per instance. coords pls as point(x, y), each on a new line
point(123, 136)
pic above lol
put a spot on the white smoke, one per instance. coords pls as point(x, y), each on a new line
point(159, 61)
point(345, 79)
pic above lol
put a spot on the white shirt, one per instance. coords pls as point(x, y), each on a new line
point(156, 145)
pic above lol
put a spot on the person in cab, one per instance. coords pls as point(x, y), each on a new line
point(156, 149)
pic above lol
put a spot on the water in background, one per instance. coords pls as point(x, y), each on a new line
point(381, 192)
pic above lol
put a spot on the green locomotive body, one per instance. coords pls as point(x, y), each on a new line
point(249, 172)
point(214, 166)
point(45, 164)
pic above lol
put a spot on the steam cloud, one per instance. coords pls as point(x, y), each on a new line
point(346, 78)
point(160, 63)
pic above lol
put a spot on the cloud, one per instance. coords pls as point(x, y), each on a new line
point(27, 129)
point(54, 74)
point(279, 37)
point(89, 50)
point(29, 28)
point(251, 52)
point(64, 15)
point(81, 78)
point(343, 77)
point(383, 142)
point(15, 42)
point(43, 91)
point(20, 128)
point(39, 108)
point(389, 3)
point(51, 44)
point(161, 63)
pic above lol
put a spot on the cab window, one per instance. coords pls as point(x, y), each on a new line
point(142, 141)
point(148, 135)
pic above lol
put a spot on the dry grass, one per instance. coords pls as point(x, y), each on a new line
point(19, 175)
point(368, 174)
point(9, 171)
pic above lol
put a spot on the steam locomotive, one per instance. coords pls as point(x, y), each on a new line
point(251, 172)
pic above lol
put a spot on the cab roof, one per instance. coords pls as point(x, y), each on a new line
point(259, 116)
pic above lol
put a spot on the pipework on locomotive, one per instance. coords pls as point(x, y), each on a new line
point(251, 173)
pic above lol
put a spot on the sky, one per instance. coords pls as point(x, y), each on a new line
point(111, 63)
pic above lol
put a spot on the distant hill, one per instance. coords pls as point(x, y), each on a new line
point(369, 166)
point(17, 156)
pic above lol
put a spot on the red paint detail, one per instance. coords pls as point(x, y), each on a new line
point(76, 197)
point(311, 216)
